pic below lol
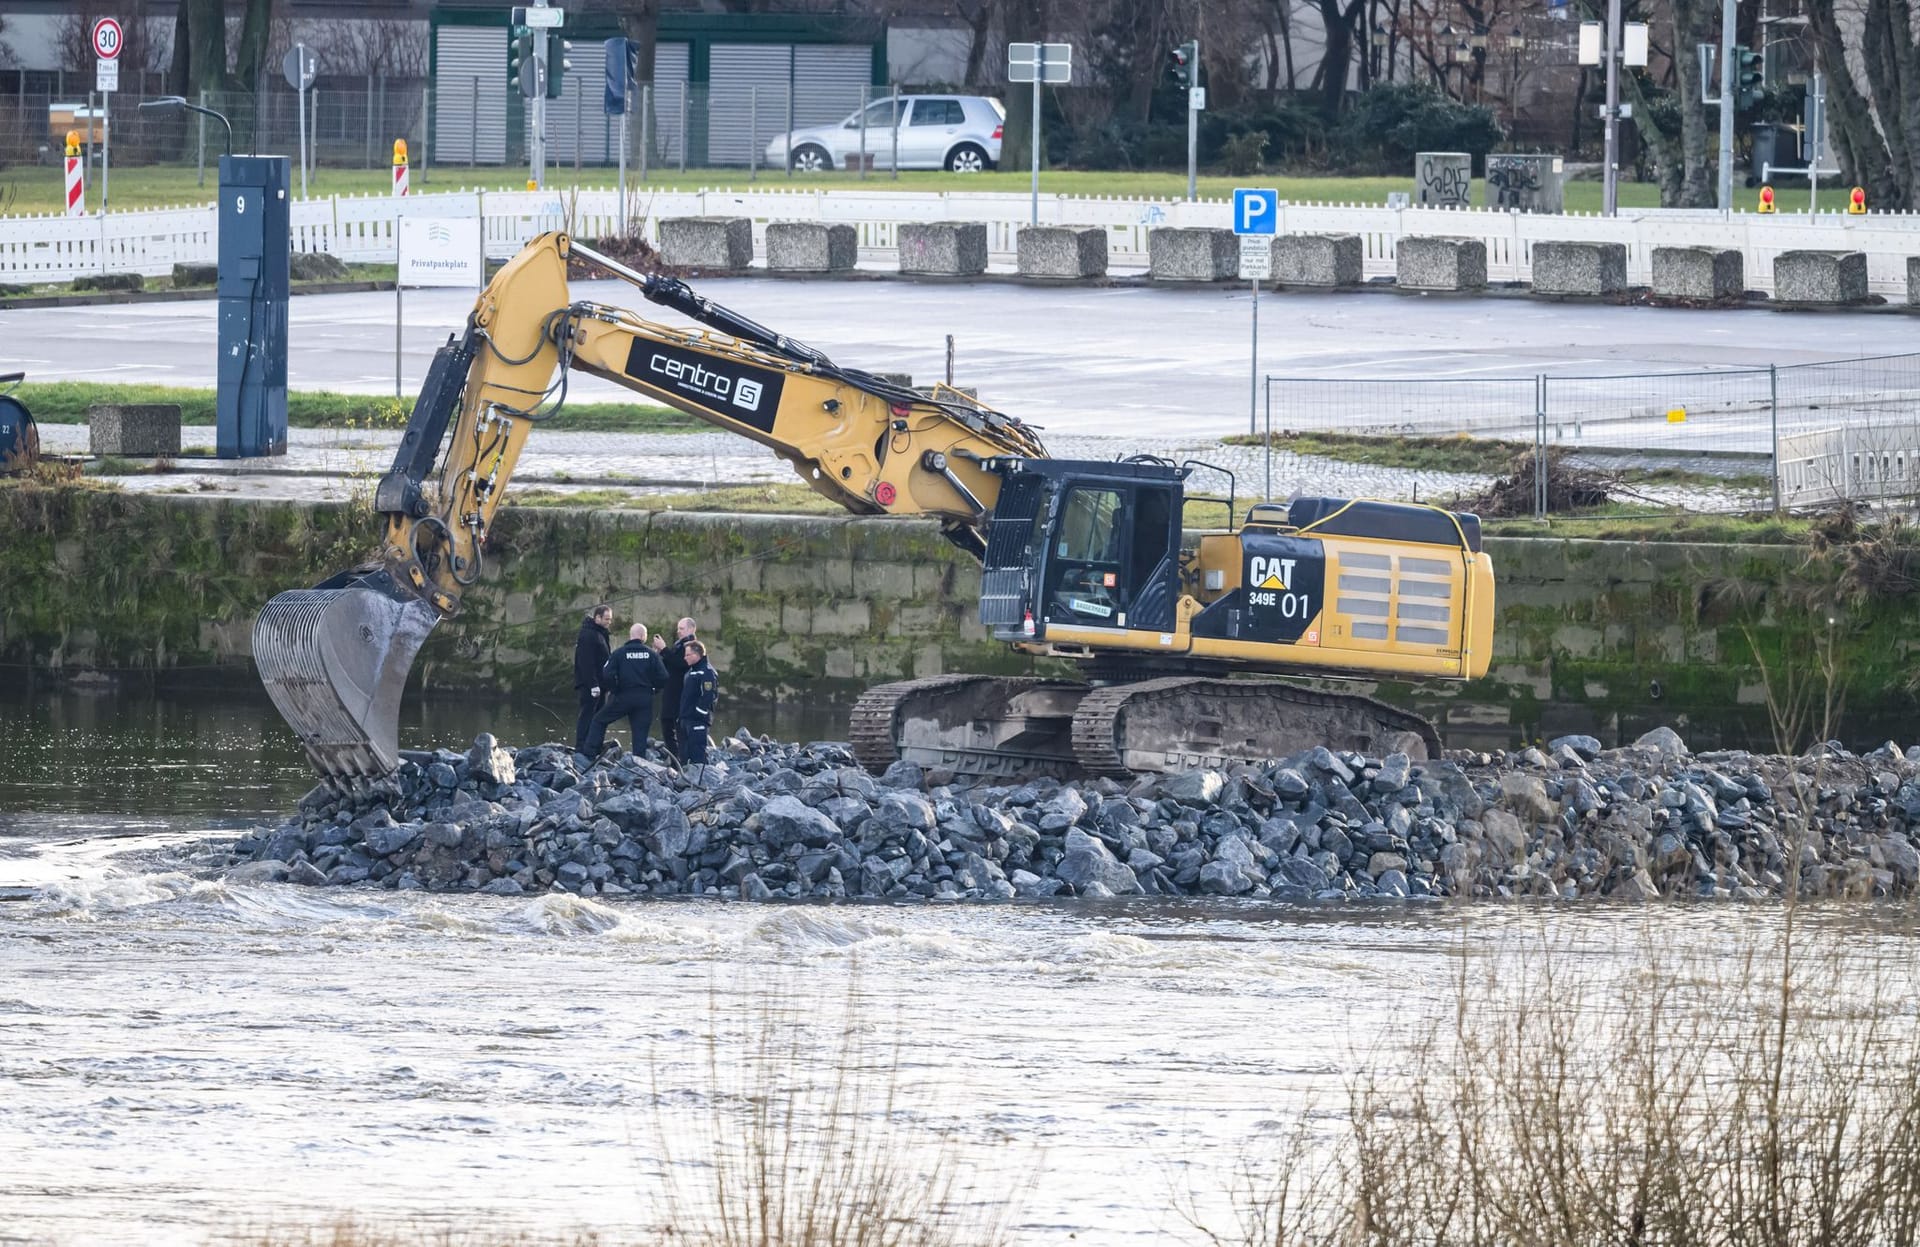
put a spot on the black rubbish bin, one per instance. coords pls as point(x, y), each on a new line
point(1773, 144)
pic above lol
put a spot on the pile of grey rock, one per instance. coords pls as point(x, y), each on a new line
point(773, 821)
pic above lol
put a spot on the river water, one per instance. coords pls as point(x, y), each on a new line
point(182, 1057)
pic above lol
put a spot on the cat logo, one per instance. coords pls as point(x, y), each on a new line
point(1266, 573)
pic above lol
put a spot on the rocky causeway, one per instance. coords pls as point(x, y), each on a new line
point(768, 820)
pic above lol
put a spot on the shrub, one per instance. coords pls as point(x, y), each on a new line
point(1242, 154)
point(1386, 126)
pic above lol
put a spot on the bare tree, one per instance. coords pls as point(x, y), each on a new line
point(73, 39)
point(382, 48)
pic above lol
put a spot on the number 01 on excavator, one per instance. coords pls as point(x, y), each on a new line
point(1084, 560)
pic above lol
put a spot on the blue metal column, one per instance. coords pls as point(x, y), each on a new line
point(256, 240)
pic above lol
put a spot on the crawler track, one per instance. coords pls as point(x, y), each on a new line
point(1011, 727)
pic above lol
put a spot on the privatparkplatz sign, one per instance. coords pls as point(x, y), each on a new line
point(1256, 218)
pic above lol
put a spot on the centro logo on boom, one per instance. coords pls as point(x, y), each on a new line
point(703, 380)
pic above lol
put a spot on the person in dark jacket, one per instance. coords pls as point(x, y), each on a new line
point(590, 652)
point(696, 705)
point(631, 677)
point(674, 657)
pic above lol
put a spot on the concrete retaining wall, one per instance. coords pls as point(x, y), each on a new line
point(1708, 274)
point(1062, 252)
point(1192, 254)
point(811, 247)
point(713, 243)
point(1820, 277)
point(1579, 268)
point(1441, 264)
point(1323, 260)
point(827, 605)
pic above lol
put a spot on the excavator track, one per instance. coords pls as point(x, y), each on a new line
point(1182, 722)
point(1011, 727)
point(1005, 727)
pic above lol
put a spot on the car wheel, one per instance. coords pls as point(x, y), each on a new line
point(966, 158)
point(811, 159)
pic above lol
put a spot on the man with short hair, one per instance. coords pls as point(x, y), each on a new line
point(674, 657)
point(700, 687)
point(590, 652)
point(631, 676)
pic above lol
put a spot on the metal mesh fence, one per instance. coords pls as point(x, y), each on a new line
point(1709, 440)
point(473, 122)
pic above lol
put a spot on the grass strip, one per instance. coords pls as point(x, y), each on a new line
point(40, 188)
point(66, 402)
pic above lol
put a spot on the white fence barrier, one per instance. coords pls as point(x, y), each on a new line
point(54, 248)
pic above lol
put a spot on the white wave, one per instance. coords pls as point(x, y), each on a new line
point(806, 929)
point(558, 913)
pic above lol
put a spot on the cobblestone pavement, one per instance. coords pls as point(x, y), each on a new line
point(330, 463)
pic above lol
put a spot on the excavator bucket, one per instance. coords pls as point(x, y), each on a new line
point(335, 659)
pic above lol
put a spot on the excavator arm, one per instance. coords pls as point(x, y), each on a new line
point(335, 657)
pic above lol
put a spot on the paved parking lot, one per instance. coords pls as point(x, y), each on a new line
point(1149, 363)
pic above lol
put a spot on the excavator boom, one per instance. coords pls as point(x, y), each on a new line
point(335, 658)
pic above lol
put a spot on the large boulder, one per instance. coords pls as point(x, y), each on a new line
point(1088, 862)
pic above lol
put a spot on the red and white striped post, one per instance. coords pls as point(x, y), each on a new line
point(399, 167)
point(76, 176)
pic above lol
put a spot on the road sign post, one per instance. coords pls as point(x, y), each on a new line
point(1256, 219)
point(107, 38)
point(300, 66)
point(1038, 63)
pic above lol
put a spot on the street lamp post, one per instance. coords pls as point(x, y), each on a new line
point(180, 101)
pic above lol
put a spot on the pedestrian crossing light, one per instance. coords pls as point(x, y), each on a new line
point(520, 62)
point(557, 65)
point(1766, 199)
point(1180, 66)
point(1749, 70)
point(1857, 202)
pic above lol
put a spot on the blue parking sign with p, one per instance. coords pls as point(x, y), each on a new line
point(1256, 211)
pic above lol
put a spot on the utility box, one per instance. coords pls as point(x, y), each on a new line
point(255, 240)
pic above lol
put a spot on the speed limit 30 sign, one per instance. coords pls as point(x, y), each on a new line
point(106, 39)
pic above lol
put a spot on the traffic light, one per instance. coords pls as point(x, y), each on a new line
point(557, 63)
point(1180, 66)
point(1749, 69)
point(521, 66)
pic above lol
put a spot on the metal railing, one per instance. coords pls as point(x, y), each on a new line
point(1781, 437)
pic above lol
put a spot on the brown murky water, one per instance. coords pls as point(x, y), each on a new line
point(179, 1056)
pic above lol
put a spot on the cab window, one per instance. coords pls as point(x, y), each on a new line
point(1089, 528)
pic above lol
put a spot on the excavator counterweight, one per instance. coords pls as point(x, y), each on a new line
point(1090, 562)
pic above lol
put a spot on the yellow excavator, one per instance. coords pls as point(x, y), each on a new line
point(1081, 559)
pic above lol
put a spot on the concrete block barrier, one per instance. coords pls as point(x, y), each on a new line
point(1580, 268)
point(1192, 254)
point(1062, 252)
point(144, 430)
point(715, 244)
point(1707, 273)
point(811, 247)
point(1440, 263)
point(1832, 277)
point(943, 248)
point(1317, 260)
